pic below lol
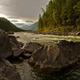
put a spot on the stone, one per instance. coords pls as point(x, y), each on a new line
point(5, 45)
point(8, 71)
point(32, 46)
point(78, 33)
point(56, 57)
point(9, 45)
point(16, 46)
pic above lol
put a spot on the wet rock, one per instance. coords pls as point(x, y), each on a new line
point(78, 33)
point(14, 42)
point(8, 71)
point(17, 47)
point(32, 46)
point(56, 57)
point(26, 55)
point(9, 45)
point(9, 48)
point(27, 50)
point(5, 45)
point(17, 52)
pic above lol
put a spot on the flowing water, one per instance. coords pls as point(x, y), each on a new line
point(28, 73)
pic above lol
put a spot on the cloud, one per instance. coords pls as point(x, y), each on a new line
point(22, 8)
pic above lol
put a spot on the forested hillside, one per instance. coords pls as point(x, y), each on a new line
point(7, 26)
point(60, 16)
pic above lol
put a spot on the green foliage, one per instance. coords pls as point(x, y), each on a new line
point(8, 26)
point(61, 13)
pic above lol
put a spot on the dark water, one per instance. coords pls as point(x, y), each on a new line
point(28, 73)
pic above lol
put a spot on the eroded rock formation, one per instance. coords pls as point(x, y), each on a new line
point(56, 57)
point(7, 70)
point(5, 45)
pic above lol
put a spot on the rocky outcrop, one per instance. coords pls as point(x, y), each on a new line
point(9, 45)
point(56, 57)
point(5, 45)
point(8, 71)
point(30, 48)
point(16, 46)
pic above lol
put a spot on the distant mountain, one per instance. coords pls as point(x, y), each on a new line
point(7, 26)
point(34, 26)
point(25, 25)
point(30, 27)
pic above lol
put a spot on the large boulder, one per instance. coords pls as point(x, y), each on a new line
point(5, 45)
point(8, 71)
point(9, 45)
point(55, 57)
point(32, 46)
point(17, 47)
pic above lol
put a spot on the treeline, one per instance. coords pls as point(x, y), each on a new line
point(60, 16)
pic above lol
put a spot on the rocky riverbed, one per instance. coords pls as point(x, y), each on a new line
point(31, 56)
point(30, 73)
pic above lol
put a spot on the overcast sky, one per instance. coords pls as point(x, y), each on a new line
point(22, 8)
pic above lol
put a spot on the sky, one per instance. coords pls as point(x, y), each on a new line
point(29, 9)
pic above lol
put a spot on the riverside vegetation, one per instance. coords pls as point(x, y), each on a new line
point(60, 16)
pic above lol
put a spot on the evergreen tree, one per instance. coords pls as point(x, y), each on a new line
point(61, 13)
